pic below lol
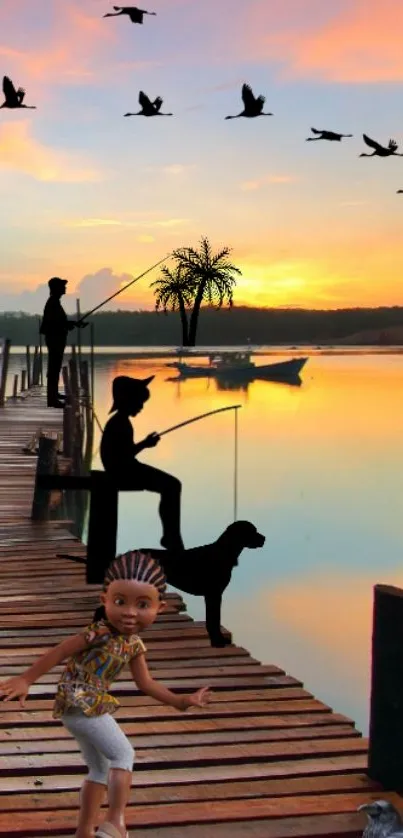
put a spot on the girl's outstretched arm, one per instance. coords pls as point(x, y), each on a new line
point(18, 686)
point(149, 686)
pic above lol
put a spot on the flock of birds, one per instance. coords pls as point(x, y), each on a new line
point(253, 105)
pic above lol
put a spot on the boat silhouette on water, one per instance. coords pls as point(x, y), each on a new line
point(238, 366)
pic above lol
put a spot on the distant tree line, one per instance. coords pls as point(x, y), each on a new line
point(218, 326)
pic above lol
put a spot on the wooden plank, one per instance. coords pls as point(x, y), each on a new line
point(227, 811)
point(184, 739)
point(192, 724)
point(212, 774)
point(150, 757)
point(250, 788)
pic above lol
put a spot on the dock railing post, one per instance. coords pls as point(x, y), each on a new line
point(385, 752)
point(46, 464)
point(40, 353)
point(4, 371)
point(35, 368)
point(67, 416)
point(29, 377)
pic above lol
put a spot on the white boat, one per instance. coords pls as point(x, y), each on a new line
point(239, 365)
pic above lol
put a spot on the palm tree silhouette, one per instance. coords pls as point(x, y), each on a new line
point(13, 97)
point(326, 135)
point(135, 15)
point(252, 106)
point(149, 108)
point(173, 290)
point(380, 150)
point(209, 278)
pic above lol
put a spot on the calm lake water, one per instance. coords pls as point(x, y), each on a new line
point(320, 471)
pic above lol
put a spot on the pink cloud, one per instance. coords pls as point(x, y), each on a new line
point(68, 44)
point(361, 43)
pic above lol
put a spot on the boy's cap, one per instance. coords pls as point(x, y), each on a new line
point(125, 388)
point(57, 282)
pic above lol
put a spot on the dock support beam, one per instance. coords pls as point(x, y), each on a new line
point(385, 756)
point(102, 528)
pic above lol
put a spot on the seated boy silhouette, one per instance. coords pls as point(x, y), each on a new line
point(118, 454)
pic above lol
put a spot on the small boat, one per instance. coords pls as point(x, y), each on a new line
point(238, 365)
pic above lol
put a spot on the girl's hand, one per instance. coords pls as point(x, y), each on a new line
point(16, 687)
point(199, 698)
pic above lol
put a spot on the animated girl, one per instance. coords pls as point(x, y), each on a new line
point(132, 596)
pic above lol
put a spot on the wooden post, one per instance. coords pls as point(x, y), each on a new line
point(78, 336)
point(385, 756)
point(73, 374)
point(66, 382)
point(35, 368)
point(67, 416)
point(40, 354)
point(46, 464)
point(23, 378)
point(88, 415)
point(15, 388)
point(4, 371)
point(92, 364)
point(102, 528)
point(29, 379)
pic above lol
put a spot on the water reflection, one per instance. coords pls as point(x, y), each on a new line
point(320, 474)
point(240, 385)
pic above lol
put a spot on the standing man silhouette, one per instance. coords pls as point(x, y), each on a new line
point(55, 327)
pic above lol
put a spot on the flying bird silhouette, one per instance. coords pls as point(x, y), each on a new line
point(326, 135)
point(252, 106)
point(399, 191)
point(380, 150)
point(135, 15)
point(149, 108)
point(384, 820)
point(13, 98)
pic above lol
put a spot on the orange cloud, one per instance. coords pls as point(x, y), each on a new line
point(116, 222)
point(21, 152)
point(362, 44)
point(248, 185)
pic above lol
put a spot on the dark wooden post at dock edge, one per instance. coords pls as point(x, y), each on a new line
point(4, 371)
point(46, 464)
point(385, 757)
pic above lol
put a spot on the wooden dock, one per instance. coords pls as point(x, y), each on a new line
point(264, 760)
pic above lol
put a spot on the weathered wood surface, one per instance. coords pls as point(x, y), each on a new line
point(265, 759)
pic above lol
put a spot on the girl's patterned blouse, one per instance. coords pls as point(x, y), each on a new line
point(88, 674)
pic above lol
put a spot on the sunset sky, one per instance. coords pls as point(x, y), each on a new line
point(88, 195)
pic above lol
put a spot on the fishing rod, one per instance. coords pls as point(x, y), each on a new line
point(187, 422)
point(132, 281)
point(202, 416)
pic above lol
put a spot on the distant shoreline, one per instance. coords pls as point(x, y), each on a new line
point(148, 353)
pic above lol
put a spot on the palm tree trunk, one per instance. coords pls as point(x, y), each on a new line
point(194, 317)
point(184, 322)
